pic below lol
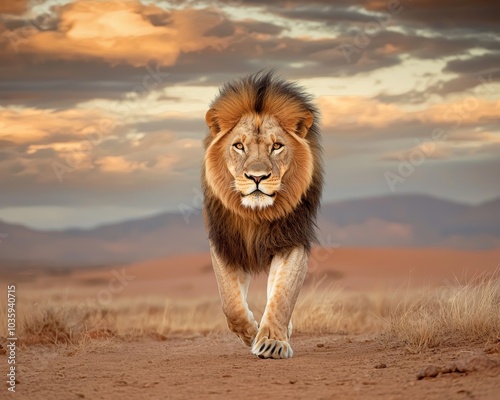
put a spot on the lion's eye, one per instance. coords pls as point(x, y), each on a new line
point(239, 146)
point(277, 146)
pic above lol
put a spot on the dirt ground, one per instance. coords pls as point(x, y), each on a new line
point(219, 366)
point(329, 367)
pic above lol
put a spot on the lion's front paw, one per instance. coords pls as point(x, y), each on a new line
point(270, 345)
point(245, 331)
point(272, 348)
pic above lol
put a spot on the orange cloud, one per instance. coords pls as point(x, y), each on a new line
point(118, 164)
point(121, 31)
point(49, 144)
point(31, 125)
point(355, 112)
point(450, 146)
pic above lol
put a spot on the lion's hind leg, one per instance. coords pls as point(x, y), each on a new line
point(233, 289)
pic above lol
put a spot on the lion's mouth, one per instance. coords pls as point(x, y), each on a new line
point(257, 191)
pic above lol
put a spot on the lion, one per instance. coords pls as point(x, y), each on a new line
point(262, 180)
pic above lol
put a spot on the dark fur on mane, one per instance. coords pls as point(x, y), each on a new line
point(250, 244)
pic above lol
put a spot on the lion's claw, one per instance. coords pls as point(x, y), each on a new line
point(272, 348)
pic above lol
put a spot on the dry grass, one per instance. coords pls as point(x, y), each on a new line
point(332, 310)
point(418, 320)
point(449, 315)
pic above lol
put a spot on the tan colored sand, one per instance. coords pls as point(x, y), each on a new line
point(329, 367)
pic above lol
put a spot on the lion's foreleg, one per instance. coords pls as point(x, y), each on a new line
point(286, 277)
point(270, 286)
point(233, 289)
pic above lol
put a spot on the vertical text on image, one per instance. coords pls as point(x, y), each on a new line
point(11, 337)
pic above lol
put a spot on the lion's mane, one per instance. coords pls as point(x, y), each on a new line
point(245, 238)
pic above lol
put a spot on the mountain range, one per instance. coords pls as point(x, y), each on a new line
point(388, 221)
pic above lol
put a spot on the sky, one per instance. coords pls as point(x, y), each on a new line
point(102, 103)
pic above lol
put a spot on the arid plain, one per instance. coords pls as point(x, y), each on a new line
point(370, 323)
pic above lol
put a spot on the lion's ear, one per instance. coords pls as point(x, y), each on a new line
point(211, 120)
point(305, 123)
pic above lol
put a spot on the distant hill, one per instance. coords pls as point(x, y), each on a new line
point(124, 242)
point(390, 221)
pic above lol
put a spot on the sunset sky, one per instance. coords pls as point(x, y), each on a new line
point(102, 103)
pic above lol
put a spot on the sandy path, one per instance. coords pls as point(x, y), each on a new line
point(340, 367)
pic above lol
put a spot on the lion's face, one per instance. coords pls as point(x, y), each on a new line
point(258, 166)
point(257, 156)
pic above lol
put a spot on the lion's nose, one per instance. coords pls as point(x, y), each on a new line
point(257, 178)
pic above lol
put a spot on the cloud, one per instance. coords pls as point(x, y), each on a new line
point(427, 151)
point(446, 15)
point(371, 116)
point(13, 7)
point(24, 126)
point(122, 32)
point(474, 65)
point(42, 145)
point(85, 56)
point(118, 164)
point(90, 62)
